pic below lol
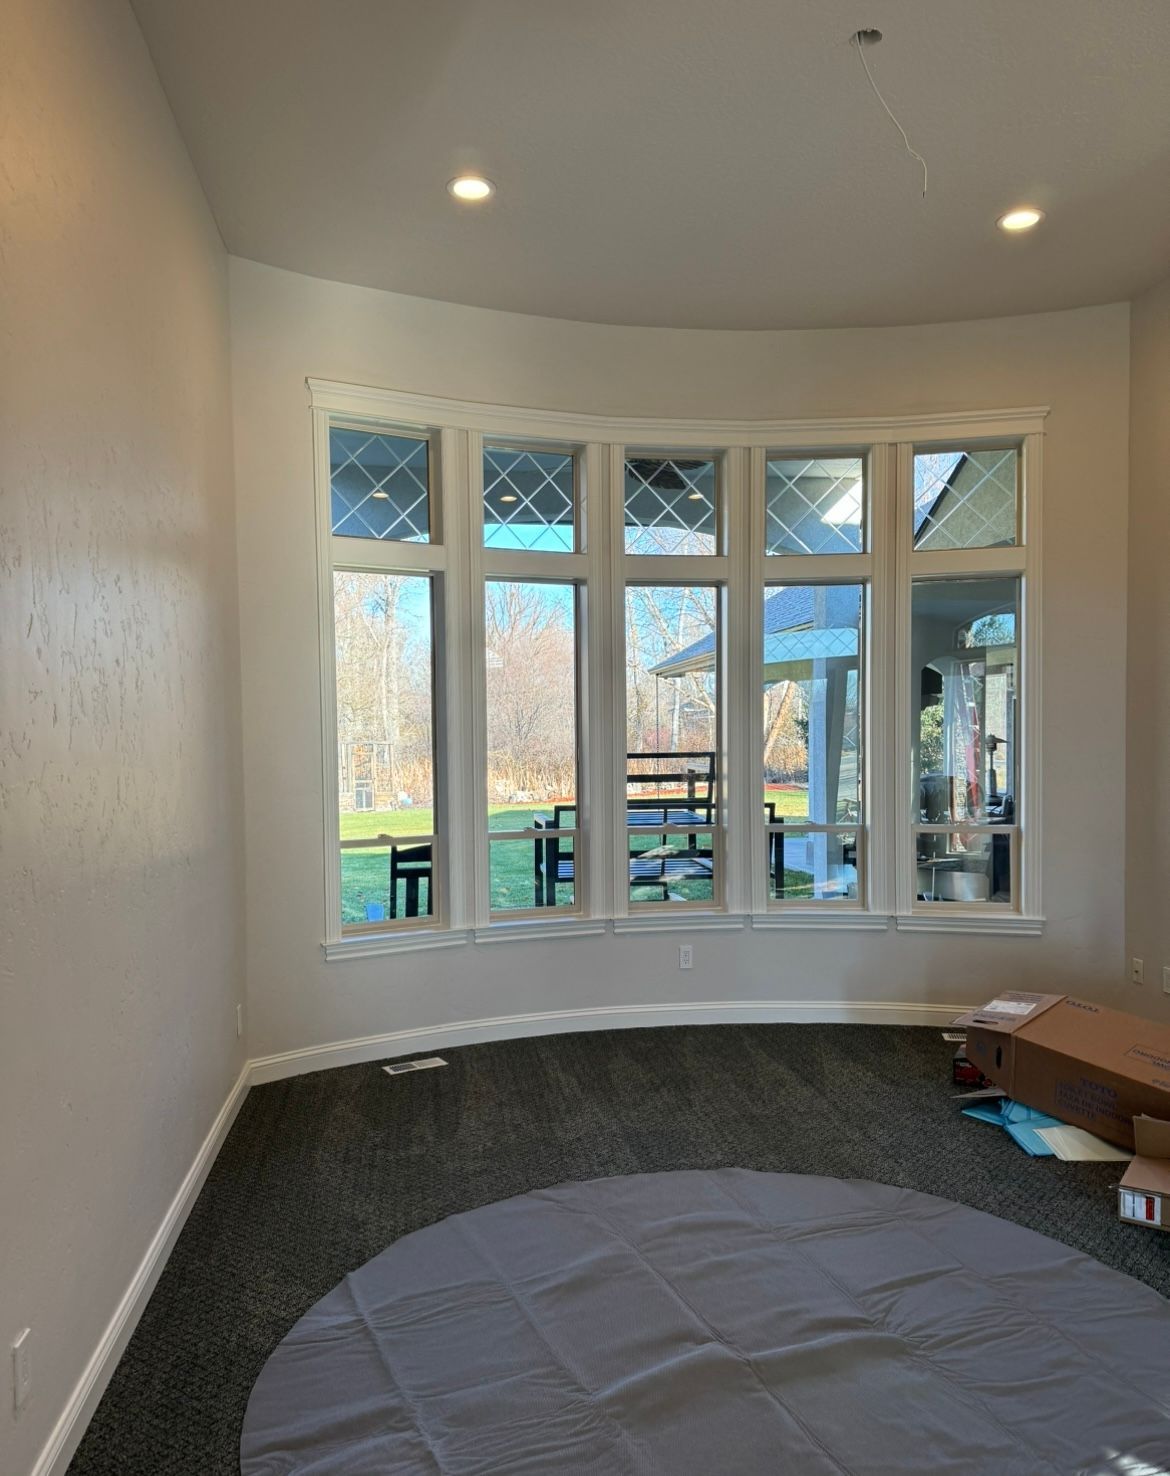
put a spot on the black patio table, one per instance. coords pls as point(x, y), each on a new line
point(659, 867)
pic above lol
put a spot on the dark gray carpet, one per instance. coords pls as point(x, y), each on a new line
point(321, 1172)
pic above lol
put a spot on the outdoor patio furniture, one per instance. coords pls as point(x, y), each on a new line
point(659, 867)
point(411, 865)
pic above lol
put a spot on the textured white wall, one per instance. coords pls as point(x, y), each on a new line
point(287, 326)
point(121, 943)
point(1148, 823)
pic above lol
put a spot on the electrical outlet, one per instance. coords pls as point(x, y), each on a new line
point(686, 956)
point(239, 1021)
point(1137, 971)
point(1166, 978)
point(21, 1369)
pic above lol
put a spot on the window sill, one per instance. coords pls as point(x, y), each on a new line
point(827, 919)
point(375, 945)
point(653, 922)
point(518, 932)
point(1011, 925)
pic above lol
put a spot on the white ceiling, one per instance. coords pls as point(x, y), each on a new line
point(685, 162)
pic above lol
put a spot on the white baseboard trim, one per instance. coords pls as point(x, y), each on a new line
point(66, 1435)
point(609, 1017)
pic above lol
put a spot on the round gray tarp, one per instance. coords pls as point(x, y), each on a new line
point(721, 1322)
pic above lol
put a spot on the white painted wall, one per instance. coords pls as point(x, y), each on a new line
point(287, 326)
point(120, 877)
point(1148, 825)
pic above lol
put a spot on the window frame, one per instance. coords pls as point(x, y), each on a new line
point(460, 564)
point(1020, 561)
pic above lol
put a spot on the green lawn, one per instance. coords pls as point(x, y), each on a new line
point(365, 874)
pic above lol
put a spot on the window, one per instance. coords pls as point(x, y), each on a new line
point(671, 505)
point(673, 831)
point(815, 505)
point(379, 485)
point(385, 747)
point(530, 651)
point(965, 640)
point(529, 499)
point(966, 499)
point(734, 678)
point(813, 763)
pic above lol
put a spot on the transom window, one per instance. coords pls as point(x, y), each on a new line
point(765, 678)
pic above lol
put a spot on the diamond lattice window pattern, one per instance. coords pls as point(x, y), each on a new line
point(528, 500)
point(670, 505)
point(379, 485)
point(814, 505)
point(965, 499)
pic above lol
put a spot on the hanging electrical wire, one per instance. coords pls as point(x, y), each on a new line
point(862, 39)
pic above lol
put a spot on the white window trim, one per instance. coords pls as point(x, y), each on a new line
point(461, 564)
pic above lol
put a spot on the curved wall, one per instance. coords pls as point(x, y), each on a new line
point(287, 327)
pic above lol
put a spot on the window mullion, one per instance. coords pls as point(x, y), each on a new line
point(617, 858)
point(463, 657)
point(599, 686)
point(880, 676)
point(332, 817)
point(1028, 769)
point(902, 512)
point(743, 816)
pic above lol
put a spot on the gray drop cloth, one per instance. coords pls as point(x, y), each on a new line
point(688, 1324)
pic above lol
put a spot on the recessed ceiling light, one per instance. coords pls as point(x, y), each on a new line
point(1022, 218)
point(694, 497)
point(507, 497)
point(471, 187)
point(381, 496)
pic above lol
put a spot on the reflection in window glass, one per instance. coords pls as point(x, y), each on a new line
point(670, 866)
point(529, 500)
point(814, 505)
point(965, 636)
point(385, 753)
point(964, 866)
point(670, 505)
point(812, 865)
point(966, 499)
point(379, 485)
point(812, 702)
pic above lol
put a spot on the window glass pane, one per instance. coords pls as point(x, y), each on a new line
point(379, 485)
point(670, 866)
point(527, 874)
point(812, 702)
point(965, 499)
point(528, 500)
point(385, 752)
point(964, 867)
point(812, 865)
point(671, 505)
point(671, 677)
point(380, 883)
point(672, 740)
point(814, 505)
point(964, 635)
point(531, 657)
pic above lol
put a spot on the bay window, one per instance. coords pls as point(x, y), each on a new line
point(725, 675)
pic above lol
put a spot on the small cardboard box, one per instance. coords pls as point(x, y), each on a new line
point(1089, 1066)
point(1143, 1196)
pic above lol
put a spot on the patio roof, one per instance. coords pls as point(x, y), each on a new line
point(802, 624)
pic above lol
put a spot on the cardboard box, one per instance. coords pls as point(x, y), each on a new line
point(1089, 1066)
point(1143, 1196)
